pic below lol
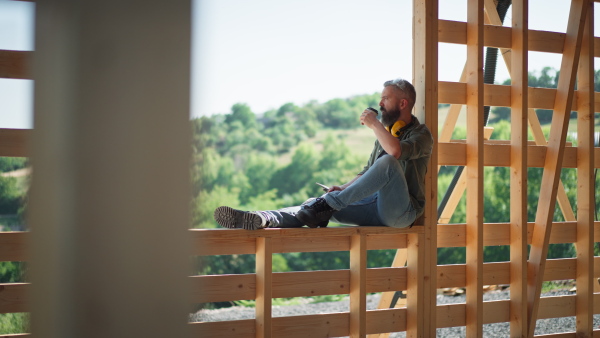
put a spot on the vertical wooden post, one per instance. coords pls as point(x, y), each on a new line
point(358, 285)
point(425, 72)
point(554, 155)
point(474, 228)
point(264, 279)
point(110, 191)
point(518, 169)
point(415, 319)
point(585, 182)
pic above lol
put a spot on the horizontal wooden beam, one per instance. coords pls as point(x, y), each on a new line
point(239, 241)
point(230, 242)
point(223, 288)
point(455, 32)
point(13, 142)
point(13, 246)
point(13, 298)
point(15, 64)
point(499, 95)
point(498, 273)
point(496, 154)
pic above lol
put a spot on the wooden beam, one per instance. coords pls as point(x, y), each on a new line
point(539, 41)
point(400, 259)
point(499, 95)
point(416, 321)
point(13, 142)
point(553, 163)
point(518, 169)
point(13, 246)
point(586, 205)
point(474, 169)
point(425, 72)
point(13, 297)
point(15, 64)
point(358, 286)
point(264, 287)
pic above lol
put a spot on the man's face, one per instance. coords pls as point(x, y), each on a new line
point(390, 105)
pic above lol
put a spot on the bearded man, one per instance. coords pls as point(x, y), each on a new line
point(389, 191)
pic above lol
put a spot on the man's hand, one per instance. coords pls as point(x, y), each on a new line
point(368, 118)
point(335, 188)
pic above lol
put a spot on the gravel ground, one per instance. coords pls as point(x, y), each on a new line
point(544, 326)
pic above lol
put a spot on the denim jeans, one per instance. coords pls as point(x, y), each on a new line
point(379, 197)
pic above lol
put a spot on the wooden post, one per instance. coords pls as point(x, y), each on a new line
point(425, 72)
point(358, 285)
point(585, 182)
point(415, 319)
point(518, 169)
point(554, 155)
point(264, 287)
point(474, 167)
point(110, 194)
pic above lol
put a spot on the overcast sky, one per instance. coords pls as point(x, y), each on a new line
point(269, 52)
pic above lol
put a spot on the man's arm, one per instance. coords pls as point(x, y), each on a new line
point(388, 142)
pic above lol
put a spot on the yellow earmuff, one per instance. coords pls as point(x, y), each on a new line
point(395, 130)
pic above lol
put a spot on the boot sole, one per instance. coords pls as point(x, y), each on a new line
point(231, 218)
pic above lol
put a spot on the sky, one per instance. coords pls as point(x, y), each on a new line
point(266, 53)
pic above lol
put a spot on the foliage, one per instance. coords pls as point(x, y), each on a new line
point(10, 196)
point(12, 163)
point(14, 323)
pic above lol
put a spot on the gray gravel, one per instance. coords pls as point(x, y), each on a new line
point(544, 326)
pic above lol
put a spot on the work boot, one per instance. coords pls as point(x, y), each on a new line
point(316, 214)
point(237, 219)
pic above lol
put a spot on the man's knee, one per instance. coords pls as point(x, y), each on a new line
point(388, 161)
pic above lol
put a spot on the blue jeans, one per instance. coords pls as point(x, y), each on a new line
point(378, 198)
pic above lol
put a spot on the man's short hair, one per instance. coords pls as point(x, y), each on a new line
point(404, 86)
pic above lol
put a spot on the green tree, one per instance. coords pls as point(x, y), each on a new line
point(10, 196)
point(240, 112)
point(12, 163)
point(299, 173)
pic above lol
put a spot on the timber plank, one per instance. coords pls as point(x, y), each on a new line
point(474, 169)
point(226, 329)
point(13, 142)
point(15, 64)
point(264, 287)
point(13, 297)
point(358, 286)
point(585, 183)
point(321, 325)
point(554, 154)
point(13, 246)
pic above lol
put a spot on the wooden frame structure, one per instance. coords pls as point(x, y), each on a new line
point(525, 272)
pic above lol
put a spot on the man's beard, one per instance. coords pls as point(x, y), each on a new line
point(389, 117)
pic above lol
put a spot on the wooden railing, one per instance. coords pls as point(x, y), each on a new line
point(264, 285)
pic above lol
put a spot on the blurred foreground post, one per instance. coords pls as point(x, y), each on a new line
point(110, 193)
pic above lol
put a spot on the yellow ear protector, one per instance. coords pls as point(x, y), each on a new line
point(395, 130)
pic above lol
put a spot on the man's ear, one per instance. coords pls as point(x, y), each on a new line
point(403, 104)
